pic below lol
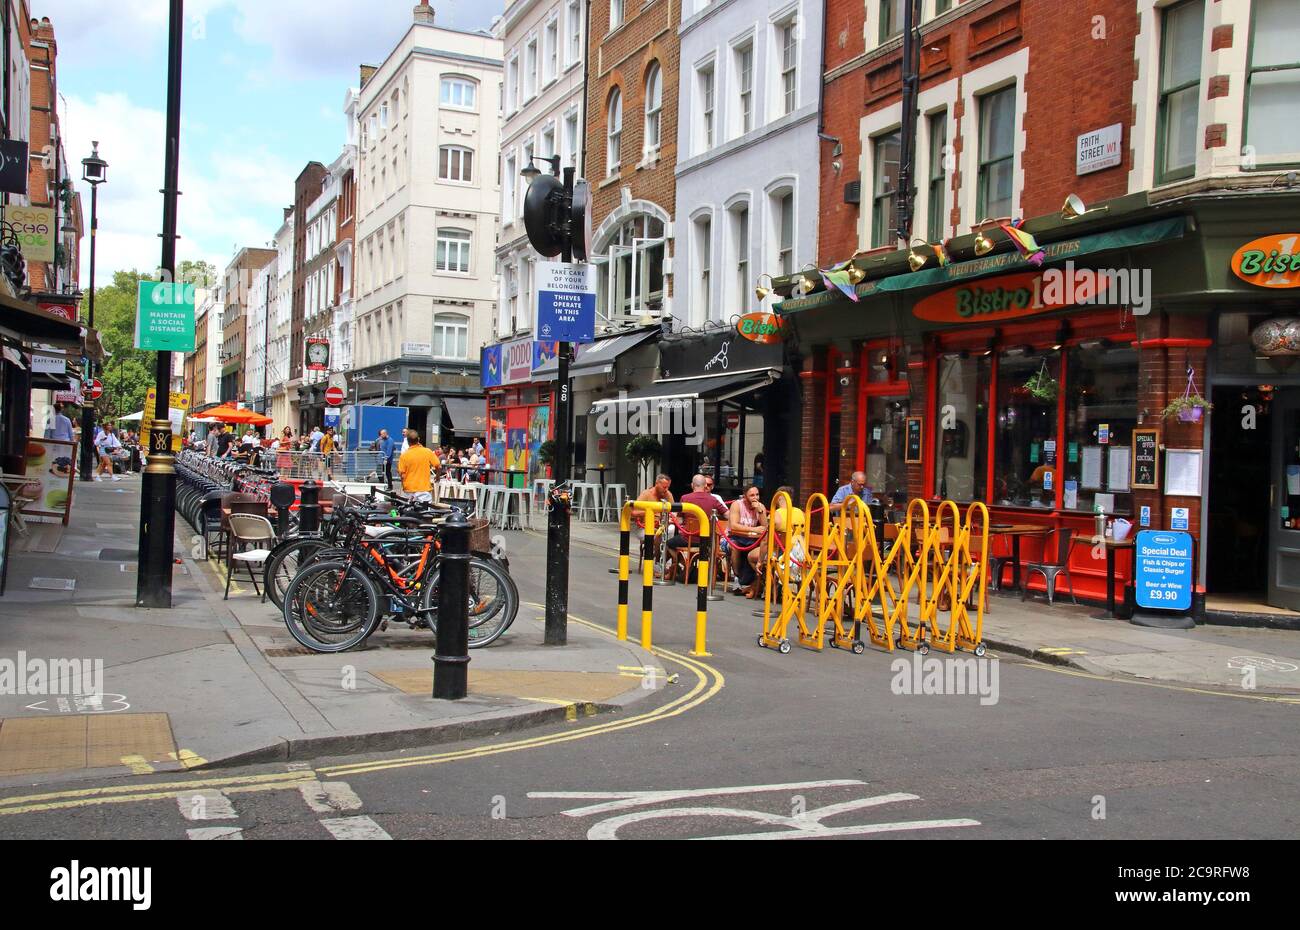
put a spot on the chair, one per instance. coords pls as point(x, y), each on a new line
point(211, 519)
point(245, 530)
point(1050, 571)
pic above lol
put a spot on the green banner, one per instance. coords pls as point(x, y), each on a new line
point(164, 317)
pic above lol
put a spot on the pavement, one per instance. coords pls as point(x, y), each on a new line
point(1084, 638)
point(212, 681)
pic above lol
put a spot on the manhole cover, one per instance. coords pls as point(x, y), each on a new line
point(54, 584)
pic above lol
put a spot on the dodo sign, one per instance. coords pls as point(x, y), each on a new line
point(763, 328)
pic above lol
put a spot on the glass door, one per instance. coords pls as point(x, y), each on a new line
point(1284, 538)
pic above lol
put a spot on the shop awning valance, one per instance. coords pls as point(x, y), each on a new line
point(596, 358)
point(23, 320)
point(1126, 238)
point(468, 414)
point(712, 387)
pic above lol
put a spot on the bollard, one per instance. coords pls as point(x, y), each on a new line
point(624, 553)
point(451, 661)
point(701, 579)
point(282, 498)
point(647, 585)
point(309, 508)
point(713, 560)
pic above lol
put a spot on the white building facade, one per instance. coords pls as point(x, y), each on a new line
point(284, 406)
point(545, 45)
point(426, 219)
point(747, 169)
point(261, 307)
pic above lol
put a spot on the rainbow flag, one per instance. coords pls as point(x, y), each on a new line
point(941, 253)
point(1026, 244)
point(838, 277)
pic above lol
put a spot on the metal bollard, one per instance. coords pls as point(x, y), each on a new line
point(714, 548)
point(309, 508)
point(282, 497)
point(451, 661)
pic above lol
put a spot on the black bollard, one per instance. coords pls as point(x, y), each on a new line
point(309, 508)
point(282, 498)
point(451, 661)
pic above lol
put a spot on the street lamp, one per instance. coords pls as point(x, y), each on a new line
point(94, 171)
point(531, 171)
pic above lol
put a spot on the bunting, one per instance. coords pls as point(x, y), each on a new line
point(1025, 243)
point(838, 277)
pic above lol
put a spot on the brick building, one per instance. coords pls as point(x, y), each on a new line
point(306, 189)
point(1040, 387)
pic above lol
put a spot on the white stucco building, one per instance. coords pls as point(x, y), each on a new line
point(427, 202)
point(747, 168)
point(261, 307)
point(545, 45)
point(284, 408)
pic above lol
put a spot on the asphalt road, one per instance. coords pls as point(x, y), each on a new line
point(749, 741)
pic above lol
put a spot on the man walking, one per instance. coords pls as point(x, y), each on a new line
point(385, 446)
point(416, 466)
point(60, 427)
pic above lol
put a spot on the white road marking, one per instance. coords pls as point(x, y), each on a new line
point(329, 797)
point(208, 804)
point(630, 799)
point(216, 833)
point(864, 830)
point(354, 828)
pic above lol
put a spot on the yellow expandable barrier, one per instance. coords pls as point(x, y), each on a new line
point(650, 508)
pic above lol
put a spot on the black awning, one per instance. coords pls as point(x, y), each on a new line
point(714, 387)
point(599, 357)
point(27, 322)
point(468, 415)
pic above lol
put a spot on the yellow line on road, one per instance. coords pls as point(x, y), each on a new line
point(135, 792)
point(1272, 699)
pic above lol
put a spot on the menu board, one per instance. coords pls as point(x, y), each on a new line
point(913, 448)
point(50, 469)
point(1090, 480)
point(1183, 472)
point(1117, 468)
point(1146, 459)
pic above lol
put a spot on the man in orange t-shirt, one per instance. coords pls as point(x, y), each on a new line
point(416, 468)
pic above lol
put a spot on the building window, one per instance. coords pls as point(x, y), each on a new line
point(942, 6)
point(891, 19)
point(704, 262)
point(530, 69)
point(548, 141)
point(450, 336)
point(383, 115)
point(884, 215)
point(740, 238)
point(522, 181)
point(458, 93)
point(1026, 423)
point(575, 31)
point(997, 156)
point(1102, 384)
point(552, 49)
point(455, 163)
point(571, 137)
point(788, 33)
point(633, 278)
point(1273, 130)
point(614, 124)
point(508, 191)
point(615, 14)
point(938, 124)
point(961, 450)
point(453, 250)
point(745, 86)
point(785, 241)
point(653, 106)
point(707, 110)
point(512, 82)
point(1180, 82)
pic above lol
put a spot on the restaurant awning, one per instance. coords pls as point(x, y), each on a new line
point(468, 414)
point(26, 322)
point(597, 358)
point(712, 387)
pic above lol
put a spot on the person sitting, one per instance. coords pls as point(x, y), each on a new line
point(857, 487)
point(690, 530)
point(659, 491)
point(746, 526)
point(787, 515)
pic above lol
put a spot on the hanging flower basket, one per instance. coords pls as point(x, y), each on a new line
point(1042, 386)
point(1191, 406)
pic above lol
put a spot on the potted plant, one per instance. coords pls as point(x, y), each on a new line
point(1042, 386)
point(1189, 408)
point(546, 454)
point(644, 451)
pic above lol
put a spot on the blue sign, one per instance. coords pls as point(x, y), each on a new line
point(1178, 518)
point(1162, 570)
point(1145, 518)
point(491, 366)
point(566, 302)
point(332, 419)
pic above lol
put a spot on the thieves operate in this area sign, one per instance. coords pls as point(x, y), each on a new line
point(566, 302)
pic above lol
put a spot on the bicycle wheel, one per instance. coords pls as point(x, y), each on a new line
point(285, 562)
point(331, 607)
point(493, 601)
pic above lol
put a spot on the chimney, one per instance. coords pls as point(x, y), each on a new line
point(288, 212)
point(367, 72)
point(423, 14)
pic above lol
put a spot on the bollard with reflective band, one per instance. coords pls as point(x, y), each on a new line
point(282, 498)
point(701, 577)
point(624, 549)
point(714, 554)
point(647, 584)
point(309, 508)
point(451, 661)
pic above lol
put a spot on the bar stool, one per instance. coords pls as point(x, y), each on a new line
point(586, 498)
point(523, 497)
point(615, 497)
point(542, 488)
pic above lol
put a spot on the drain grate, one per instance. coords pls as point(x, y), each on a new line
point(53, 584)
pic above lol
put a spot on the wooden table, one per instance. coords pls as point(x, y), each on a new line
point(1111, 546)
point(1016, 531)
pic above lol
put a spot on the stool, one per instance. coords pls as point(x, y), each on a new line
point(542, 488)
point(524, 499)
point(615, 497)
point(586, 497)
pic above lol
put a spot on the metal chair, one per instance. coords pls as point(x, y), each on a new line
point(1050, 571)
point(247, 529)
point(586, 499)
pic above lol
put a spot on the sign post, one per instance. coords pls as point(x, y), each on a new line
point(1162, 578)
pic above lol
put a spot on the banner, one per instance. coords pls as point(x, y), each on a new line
point(34, 228)
point(178, 408)
point(164, 318)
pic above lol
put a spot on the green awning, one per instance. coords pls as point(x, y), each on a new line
point(1130, 237)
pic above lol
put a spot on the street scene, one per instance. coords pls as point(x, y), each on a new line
point(671, 420)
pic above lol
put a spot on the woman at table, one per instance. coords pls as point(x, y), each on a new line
point(746, 526)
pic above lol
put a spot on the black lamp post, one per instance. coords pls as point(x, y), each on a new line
point(94, 171)
point(531, 171)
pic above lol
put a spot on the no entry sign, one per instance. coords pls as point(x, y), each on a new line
point(334, 396)
point(96, 389)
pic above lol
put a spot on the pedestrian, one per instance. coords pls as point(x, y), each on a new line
point(416, 467)
point(225, 440)
point(327, 452)
point(59, 426)
point(385, 446)
point(110, 448)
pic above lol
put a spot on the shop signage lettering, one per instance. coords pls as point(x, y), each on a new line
point(763, 328)
point(1163, 570)
point(1010, 296)
point(1270, 261)
point(518, 361)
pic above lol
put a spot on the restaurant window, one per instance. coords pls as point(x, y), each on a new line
point(884, 217)
point(886, 438)
point(961, 437)
point(1026, 442)
point(997, 156)
point(1102, 393)
point(1180, 81)
point(1274, 82)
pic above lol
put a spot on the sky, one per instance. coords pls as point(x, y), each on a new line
point(262, 95)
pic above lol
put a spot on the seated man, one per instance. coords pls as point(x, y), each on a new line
point(656, 492)
point(690, 530)
point(856, 487)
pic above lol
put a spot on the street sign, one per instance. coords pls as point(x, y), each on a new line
point(334, 396)
point(332, 416)
point(1162, 573)
point(164, 319)
point(96, 389)
point(1178, 518)
point(566, 302)
point(13, 166)
point(733, 421)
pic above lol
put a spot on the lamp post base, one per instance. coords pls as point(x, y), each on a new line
point(157, 521)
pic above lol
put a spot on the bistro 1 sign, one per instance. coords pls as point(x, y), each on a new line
point(763, 328)
point(1009, 296)
point(1271, 261)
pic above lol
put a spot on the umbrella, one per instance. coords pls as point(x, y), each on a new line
point(138, 415)
point(234, 415)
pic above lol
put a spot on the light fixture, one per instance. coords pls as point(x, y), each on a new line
point(856, 274)
point(531, 171)
point(761, 292)
point(954, 356)
point(806, 281)
point(1016, 351)
point(1074, 207)
point(94, 170)
point(983, 244)
point(915, 261)
point(1094, 344)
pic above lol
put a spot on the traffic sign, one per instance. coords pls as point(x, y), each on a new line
point(334, 396)
point(96, 389)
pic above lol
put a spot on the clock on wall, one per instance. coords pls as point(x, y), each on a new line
point(318, 355)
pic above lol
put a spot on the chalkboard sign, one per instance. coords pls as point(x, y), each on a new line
point(1146, 459)
point(913, 454)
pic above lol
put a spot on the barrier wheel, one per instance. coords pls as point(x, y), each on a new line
point(834, 645)
point(761, 643)
point(979, 650)
point(923, 648)
point(859, 648)
point(784, 648)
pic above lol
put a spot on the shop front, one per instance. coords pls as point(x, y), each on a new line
point(517, 409)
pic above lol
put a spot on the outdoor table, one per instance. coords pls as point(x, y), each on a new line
point(1016, 531)
point(1111, 546)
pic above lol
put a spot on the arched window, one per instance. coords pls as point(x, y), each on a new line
point(614, 121)
point(453, 250)
point(450, 336)
point(654, 101)
point(457, 92)
point(455, 163)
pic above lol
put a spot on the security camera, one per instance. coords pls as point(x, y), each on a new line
point(844, 382)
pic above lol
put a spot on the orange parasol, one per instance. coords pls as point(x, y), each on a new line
point(234, 415)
